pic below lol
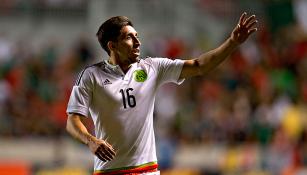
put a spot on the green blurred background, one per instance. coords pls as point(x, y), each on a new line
point(248, 117)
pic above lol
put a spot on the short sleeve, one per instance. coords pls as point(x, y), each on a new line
point(168, 70)
point(81, 94)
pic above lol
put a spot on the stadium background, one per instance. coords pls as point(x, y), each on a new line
point(246, 117)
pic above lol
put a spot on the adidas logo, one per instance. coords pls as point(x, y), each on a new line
point(107, 81)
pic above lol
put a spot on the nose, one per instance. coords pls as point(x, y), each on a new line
point(137, 42)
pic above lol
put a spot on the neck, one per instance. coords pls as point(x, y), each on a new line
point(123, 64)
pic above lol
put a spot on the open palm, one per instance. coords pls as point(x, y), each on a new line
point(245, 27)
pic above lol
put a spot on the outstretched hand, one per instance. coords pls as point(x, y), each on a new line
point(245, 27)
point(102, 149)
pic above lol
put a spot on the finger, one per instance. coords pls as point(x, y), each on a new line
point(107, 143)
point(106, 146)
point(111, 153)
point(107, 156)
point(242, 18)
point(111, 149)
point(249, 19)
point(108, 153)
point(252, 31)
point(104, 151)
point(100, 156)
point(110, 146)
point(252, 24)
point(104, 155)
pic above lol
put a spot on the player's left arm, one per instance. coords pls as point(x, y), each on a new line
point(210, 60)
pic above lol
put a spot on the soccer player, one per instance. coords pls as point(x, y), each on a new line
point(119, 94)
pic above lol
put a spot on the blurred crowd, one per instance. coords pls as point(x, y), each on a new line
point(255, 104)
point(256, 100)
point(8, 5)
point(257, 97)
point(35, 87)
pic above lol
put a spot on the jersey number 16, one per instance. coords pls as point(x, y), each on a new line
point(128, 98)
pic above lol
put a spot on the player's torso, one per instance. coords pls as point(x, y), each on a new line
point(131, 97)
point(130, 90)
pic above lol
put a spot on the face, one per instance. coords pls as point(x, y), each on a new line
point(127, 47)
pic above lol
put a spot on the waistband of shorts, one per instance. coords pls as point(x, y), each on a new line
point(131, 170)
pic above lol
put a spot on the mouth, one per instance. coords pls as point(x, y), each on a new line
point(137, 50)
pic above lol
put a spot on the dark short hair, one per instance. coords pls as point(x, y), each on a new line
point(110, 30)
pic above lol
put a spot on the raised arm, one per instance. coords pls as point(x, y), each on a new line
point(77, 129)
point(210, 60)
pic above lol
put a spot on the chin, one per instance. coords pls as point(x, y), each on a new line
point(135, 57)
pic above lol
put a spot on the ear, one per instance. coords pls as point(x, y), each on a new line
point(111, 45)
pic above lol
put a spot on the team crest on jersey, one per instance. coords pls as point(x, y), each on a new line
point(140, 75)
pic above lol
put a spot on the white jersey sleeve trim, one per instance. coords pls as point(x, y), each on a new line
point(178, 71)
point(78, 110)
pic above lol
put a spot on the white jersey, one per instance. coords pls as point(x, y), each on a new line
point(121, 106)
